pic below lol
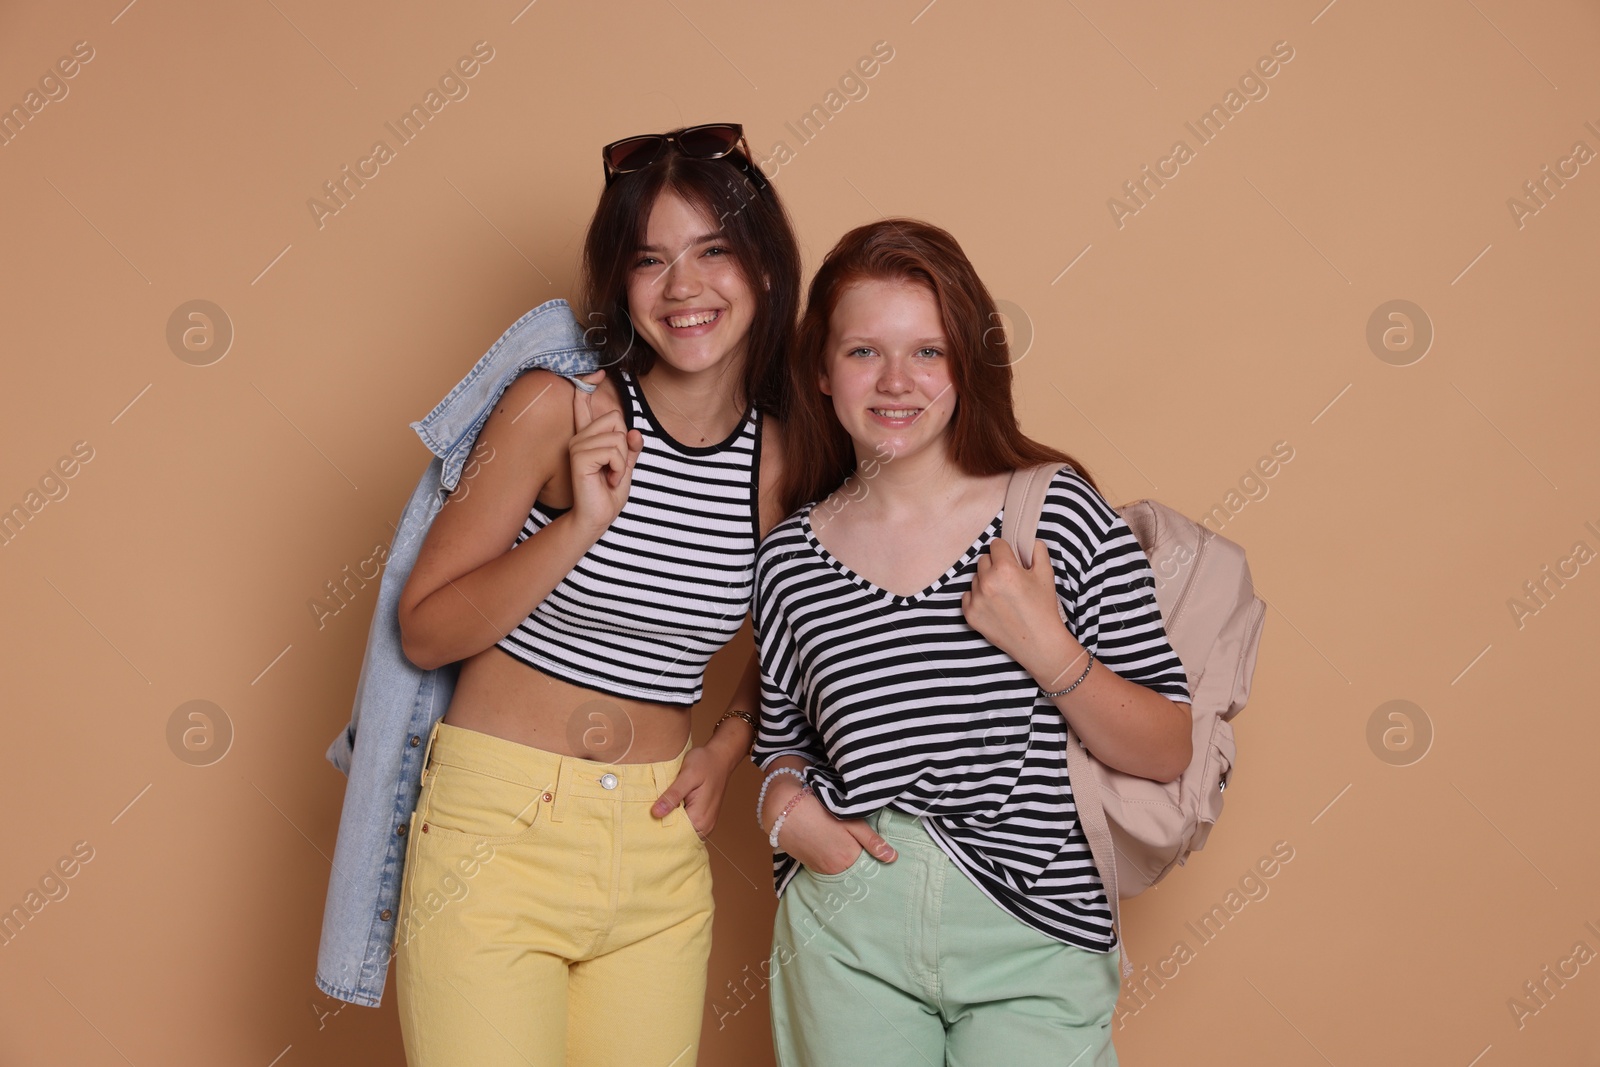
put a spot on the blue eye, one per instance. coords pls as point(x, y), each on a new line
point(647, 261)
point(929, 352)
point(860, 351)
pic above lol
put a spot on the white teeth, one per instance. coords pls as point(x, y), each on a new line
point(682, 321)
point(895, 413)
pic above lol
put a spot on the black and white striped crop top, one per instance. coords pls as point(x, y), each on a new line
point(670, 580)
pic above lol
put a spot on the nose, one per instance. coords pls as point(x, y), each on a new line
point(895, 377)
point(681, 278)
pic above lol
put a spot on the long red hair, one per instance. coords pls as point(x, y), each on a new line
point(984, 436)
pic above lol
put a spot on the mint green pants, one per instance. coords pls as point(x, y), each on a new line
point(908, 963)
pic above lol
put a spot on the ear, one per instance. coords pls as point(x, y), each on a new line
point(822, 383)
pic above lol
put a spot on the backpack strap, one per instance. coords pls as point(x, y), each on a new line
point(1025, 495)
point(1024, 504)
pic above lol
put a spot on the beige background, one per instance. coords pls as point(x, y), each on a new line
point(1228, 314)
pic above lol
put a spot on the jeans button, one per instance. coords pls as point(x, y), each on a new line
point(608, 780)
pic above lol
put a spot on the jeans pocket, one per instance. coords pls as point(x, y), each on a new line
point(680, 815)
point(464, 804)
point(862, 857)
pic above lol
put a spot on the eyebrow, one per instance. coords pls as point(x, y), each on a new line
point(718, 236)
point(873, 340)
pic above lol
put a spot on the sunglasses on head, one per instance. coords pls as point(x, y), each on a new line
point(713, 140)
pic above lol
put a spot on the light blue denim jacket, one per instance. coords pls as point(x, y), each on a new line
point(397, 703)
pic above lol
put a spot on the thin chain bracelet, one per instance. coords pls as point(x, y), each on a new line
point(747, 717)
point(762, 799)
point(772, 839)
point(1074, 685)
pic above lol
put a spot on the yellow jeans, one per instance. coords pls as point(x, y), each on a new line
point(547, 918)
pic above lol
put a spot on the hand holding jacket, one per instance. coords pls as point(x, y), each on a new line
point(603, 452)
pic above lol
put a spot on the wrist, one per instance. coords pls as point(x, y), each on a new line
point(576, 529)
point(779, 793)
point(1061, 665)
point(783, 815)
point(731, 739)
point(1058, 660)
point(581, 524)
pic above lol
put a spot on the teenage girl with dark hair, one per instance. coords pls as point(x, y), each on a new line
point(594, 568)
point(928, 700)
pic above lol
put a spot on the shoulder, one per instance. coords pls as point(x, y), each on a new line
point(538, 405)
point(788, 533)
point(1073, 502)
point(783, 541)
point(537, 399)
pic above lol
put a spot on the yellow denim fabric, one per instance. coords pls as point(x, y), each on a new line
point(547, 918)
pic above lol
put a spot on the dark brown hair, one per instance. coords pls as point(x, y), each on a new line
point(757, 231)
point(984, 436)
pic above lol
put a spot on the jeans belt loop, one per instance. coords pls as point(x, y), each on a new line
point(427, 752)
point(566, 778)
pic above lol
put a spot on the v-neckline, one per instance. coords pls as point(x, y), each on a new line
point(990, 531)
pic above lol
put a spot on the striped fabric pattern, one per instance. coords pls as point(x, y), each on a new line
point(897, 701)
point(670, 580)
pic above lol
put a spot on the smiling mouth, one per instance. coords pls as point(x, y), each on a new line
point(896, 413)
point(699, 318)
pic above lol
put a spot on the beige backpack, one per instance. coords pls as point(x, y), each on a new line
point(1140, 829)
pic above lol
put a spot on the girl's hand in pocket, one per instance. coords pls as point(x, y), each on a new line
point(823, 842)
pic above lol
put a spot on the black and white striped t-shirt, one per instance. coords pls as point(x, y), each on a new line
point(667, 584)
point(899, 702)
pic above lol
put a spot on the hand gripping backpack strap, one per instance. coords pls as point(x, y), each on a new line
point(1024, 503)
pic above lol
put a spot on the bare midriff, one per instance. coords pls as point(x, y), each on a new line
point(500, 695)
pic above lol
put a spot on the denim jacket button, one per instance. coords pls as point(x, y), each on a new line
point(400, 831)
point(385, 914)
point(415, 740)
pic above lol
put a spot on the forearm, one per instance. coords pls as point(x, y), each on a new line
point(1127, 726)
point(470, 614)
point(732, 737)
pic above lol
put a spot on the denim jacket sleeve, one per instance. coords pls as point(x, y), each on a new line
point(396, 704)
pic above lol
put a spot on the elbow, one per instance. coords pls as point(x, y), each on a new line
point(416, 650)
point(1178, 763)
point(417, 657)
point(1181, 753)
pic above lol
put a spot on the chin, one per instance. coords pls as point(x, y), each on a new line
point(693, 362)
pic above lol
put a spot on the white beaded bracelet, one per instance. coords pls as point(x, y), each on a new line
point(762, 799)
point(777, 825)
